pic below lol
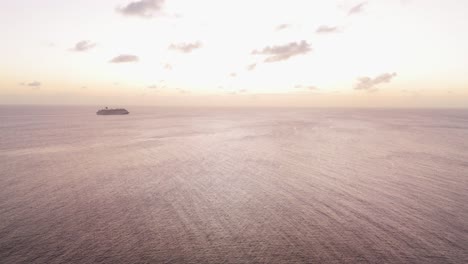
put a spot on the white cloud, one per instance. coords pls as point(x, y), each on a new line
point(34, 84)
point(142, 8)
point(357, 8)
point(326, 29)
point(369, 84)
point(185, 47)
point(282, 27)
point(124, 59)
point(83, 46)
point(251, 67)
point(307, 87)
point(284, 52)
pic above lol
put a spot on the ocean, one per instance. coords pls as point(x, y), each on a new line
point(233, 185)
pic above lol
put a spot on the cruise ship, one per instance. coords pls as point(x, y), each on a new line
point(117, 111)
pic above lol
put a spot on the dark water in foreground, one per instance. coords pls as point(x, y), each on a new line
point(233, 186)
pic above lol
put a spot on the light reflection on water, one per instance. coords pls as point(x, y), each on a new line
point(233, 185)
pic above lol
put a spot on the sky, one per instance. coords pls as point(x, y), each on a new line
point(344, 53)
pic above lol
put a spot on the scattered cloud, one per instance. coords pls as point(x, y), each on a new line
point(413, 93)
point(34, 84)
point(284, 52)
point(142, 8)
point(327, 29)
point(357, 8)
point(308, 87)
point(251, 67)
point(161, 85)
point(124, 59)
point(182, 91)
point(282, 27)
point(185, 47)
point(238, 92)
point(369, 84)
point(83, 46)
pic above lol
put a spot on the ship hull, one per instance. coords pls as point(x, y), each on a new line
point(113, 112)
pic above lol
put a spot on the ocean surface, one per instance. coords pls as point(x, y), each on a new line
point(193, 185)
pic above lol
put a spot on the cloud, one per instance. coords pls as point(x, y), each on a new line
point(326, 29)
point(168, 66)
point(142, 8)
point(160, 85)
point(308, 87)
point(182, 91)
point(284, 52)
point(83, 46)
point(282, 26)
point(185, 47)
point(369, 84)
point(238, 92)
point(357, 8)
point(124, 59)
point(34, 84)
point(251, 67)
point(233, 75)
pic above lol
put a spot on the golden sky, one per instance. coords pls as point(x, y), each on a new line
point(376, 53)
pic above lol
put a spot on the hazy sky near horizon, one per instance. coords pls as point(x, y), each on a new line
point(405, 53)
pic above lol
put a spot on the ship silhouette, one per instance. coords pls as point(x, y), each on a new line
point(116, 111)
